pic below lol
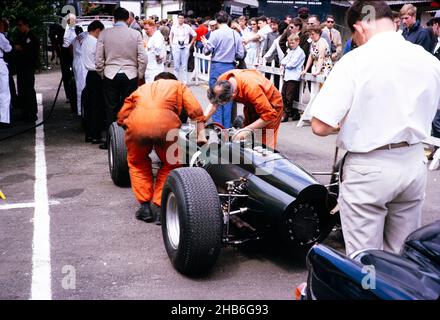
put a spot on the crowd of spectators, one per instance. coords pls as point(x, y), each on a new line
point(266, 41)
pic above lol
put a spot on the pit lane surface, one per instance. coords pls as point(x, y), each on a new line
point(98, 250)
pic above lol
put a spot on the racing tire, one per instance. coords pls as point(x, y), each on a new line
point(117, 156)
point(192, 224)
point(238, 122)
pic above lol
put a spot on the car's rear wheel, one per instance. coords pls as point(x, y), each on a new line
point(191, 220)
point(117, 156)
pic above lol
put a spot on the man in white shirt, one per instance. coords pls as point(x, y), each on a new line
point(180, 44)
point(156, 51)
point(244, 29)
point(382, 122)
point(69, 34)
point(93, 96)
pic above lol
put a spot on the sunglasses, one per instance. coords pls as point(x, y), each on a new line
point(328, 21)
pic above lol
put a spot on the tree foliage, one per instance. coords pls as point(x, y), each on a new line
point(36, 11)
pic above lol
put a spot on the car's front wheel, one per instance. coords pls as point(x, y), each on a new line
point(191, 220)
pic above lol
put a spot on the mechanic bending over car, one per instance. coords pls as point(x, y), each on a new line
point(147, 115)
point(263, 104)
point(383, 122)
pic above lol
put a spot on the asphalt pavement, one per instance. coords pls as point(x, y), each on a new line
point(96, 249)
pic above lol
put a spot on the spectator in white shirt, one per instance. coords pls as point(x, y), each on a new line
point(69, 34)
point(156, 51)
point(180, 44)
point(93, 98)
point(383, 121)
point(244, 28)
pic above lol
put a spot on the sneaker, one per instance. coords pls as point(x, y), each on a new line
point(144, 213)
point(156, 211)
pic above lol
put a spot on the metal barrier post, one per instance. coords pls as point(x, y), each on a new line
point(316, 86)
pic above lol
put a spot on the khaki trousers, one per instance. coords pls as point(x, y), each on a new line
point(381, 197)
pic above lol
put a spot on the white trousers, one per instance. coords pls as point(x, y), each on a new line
point(80, 73)
point(150, 73)
point(180, 58)
point(381, 197)
point(5, 94)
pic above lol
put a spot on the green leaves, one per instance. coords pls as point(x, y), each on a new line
point(37, 11)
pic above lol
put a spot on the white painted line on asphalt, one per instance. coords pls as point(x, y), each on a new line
point(24, 205)
point(41, 268)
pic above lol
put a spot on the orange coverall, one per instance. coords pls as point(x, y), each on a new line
point(147, 115)
point(261, 100)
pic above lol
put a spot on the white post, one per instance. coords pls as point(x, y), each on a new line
point(196, 66)
point(316, 85)
point(272, 76)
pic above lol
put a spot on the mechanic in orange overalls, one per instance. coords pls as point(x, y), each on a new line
point(263, 103)
point(147, 115)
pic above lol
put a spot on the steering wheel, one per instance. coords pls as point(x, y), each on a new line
point(214, 134)
point(218, 130)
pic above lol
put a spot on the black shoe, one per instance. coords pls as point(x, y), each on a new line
point(296, 116)
point(103, 146)
point(144, 213)
point(5, 125)
point(156, 211)
point(285, 119)
point(88, 139)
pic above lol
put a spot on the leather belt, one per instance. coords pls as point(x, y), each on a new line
point(393, 146)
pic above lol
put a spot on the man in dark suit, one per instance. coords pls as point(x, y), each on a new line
point(413, 31)
point(27, 48)
point(435, 24)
